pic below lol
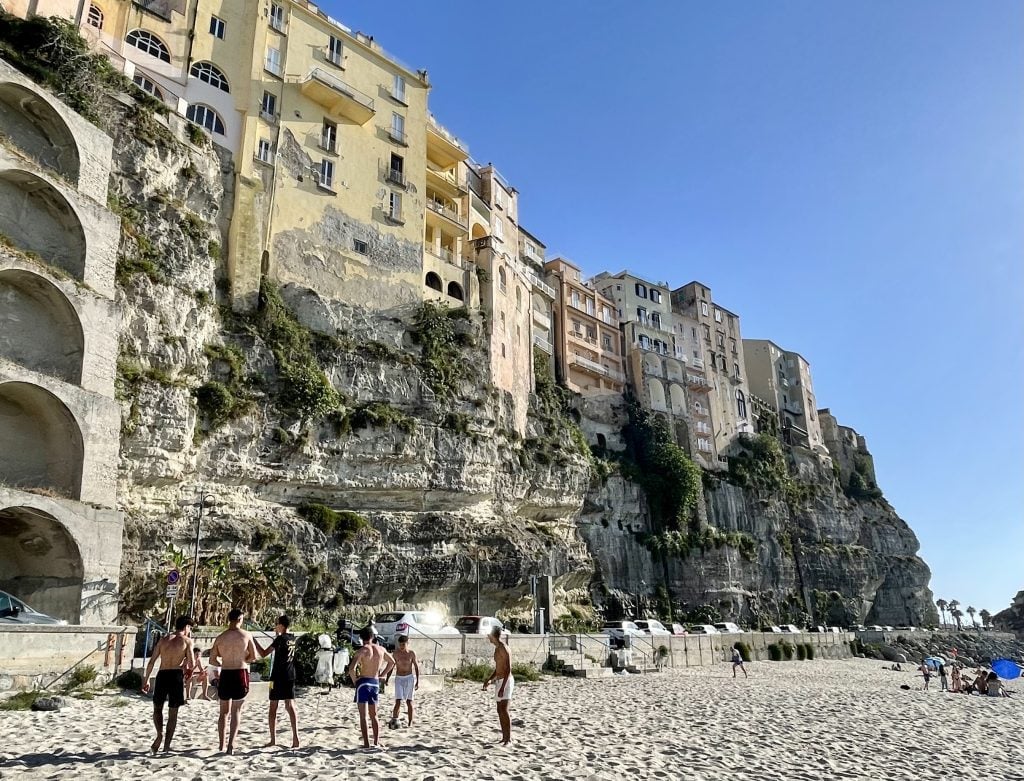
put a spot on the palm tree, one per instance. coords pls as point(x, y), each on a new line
point(986, 617)
point(942, 604)
point(957, 614)
point(954, 608)
point(971, 611)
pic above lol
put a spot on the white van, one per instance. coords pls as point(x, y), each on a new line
point(728, 628)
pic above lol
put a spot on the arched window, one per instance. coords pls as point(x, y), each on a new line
point(148, 85)
point(741, 404)
point(149, 43)
point(211, 74)
point(455, 290)
point(502, 280)
point(95, 17)
point(519, 298)
point(434, 281)
point(205, 117)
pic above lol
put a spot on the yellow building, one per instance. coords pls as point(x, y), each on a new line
point(586, 330)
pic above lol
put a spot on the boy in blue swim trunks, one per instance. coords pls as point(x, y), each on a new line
point(374, 663)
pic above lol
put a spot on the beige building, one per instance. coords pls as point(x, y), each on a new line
point(586, 328)
point(719, 331)
point(542, 295)
point(784, 378)
point(664, 359)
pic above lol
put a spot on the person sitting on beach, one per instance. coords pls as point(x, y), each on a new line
point(994, 687)
point(981, 681)
point(373, 663)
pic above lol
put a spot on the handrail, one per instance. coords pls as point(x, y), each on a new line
point(72, 667)
point(433, 663)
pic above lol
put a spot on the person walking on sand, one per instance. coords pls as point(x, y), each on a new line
point(282, 677)
point(232, 651)
point(407, 679)
point(737, 661)
point(174, 653)
point(373, 663)
point(504, 683)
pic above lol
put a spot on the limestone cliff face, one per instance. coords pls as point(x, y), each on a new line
point(430, 477)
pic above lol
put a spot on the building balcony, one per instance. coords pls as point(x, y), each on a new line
point(394, 176)
point(446, 181)
point(596, 368)
point(581, 336)
point(543, 344)
point(542, 318)
point(697, 363)
point(697, 383)
point(338, 97)
point(736, 379)
point(701, 427)
point(449, 216)
point(793, 407)
point(543, 287)
point(443, 148)
point(701, 412)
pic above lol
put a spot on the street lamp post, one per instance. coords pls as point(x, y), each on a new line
point(205, 500)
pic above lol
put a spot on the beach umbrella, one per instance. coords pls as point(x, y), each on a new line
point(1006, 669)
point(934, 661)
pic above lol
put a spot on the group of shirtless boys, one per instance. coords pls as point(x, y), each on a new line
point(370, 670)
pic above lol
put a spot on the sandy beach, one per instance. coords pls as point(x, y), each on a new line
point(789, 720)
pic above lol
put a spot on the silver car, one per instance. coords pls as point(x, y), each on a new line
point(14, 611)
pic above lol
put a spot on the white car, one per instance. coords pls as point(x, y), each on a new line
point(703, 629)
point(728, 628)
point(789, 629)
point(618, 630)
point(648, 626)
point(414, 623)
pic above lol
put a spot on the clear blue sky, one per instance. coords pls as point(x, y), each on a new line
point(847, 176)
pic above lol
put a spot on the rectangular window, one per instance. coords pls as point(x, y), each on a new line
point(217, 27)
point(606, 343)
point(398, 128)
point(591, 333)
point(735, 370)
point(334, 51)
point(277, 17)
point(655, 318)
point(721, 340)
point(499, 229)
point(590, 306)
point(707, 332)
point(499, 197)
point(704, 308)
point(574, 298)
point(398, 89)
point(272, 64)
point(640, 290)
point(656, 296)
point(264, 152)
point(718, 315)
point(641, 314)
point(395, 206)
point(577, 328)
point(268, 106)
point(359, 246)
point(329, 136)
point(396, 171)
point(326, 180)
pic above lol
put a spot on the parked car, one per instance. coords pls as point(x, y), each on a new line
point(876, 628)
point(858, 628)
point(678, 629)
point(789, 629)
point(728, 628)
point(817, 629)
point(703, 629)
point(648, 626)
point(14, 611)
point(412, 622)
point(477, 625)
point(619, 630)
point(771, 628)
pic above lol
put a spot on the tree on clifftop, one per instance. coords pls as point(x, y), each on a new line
point(986, 617)
point(971, 611)
point(942, 604)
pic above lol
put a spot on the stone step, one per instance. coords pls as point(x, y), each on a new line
point(638, 670)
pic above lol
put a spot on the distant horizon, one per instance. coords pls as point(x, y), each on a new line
point(849, 182)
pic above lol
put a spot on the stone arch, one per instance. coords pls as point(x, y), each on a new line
point(674, 369)
point(433, 281)
point(479, 232)
point(657, 394)
point(42, 441)
point(39, 328)
point(455, 291)
point(39, 130)
point(37, 218)
point(40, 563)
point(652, 364)
point(678, 397)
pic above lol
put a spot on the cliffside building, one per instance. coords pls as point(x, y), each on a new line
point(664, 360)
point(719, 330)
point(60, 534)
point(586, 329)
point(784, 377)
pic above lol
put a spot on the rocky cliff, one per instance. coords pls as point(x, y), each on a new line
point(359, 462)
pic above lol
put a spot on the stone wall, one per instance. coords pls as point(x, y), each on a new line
point(34, 656)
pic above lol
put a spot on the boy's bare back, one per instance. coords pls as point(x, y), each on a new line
point(234, 648)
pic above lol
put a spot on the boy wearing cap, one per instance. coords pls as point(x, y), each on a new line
point(407, 679)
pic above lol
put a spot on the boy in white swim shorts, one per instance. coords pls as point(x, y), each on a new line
point(503, 682)
point(407, 679)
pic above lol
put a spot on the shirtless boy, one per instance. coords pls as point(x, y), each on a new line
point(407, 679)
point(232, 651)
point(373, 663)
point(504, 683)
point(175, 655)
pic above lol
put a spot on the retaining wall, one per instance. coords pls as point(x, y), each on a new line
point(34, 655)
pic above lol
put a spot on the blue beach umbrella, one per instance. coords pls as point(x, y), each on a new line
point(934, 662)
point(1007, 669)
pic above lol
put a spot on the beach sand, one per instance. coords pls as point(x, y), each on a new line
point(789, 720)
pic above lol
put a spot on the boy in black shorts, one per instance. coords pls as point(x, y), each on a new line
point(174, 653)
point(282, 678)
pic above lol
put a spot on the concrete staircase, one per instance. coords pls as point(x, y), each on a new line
point(572, 664)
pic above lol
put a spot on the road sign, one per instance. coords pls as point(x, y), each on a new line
point(172, 591)
point(173, 577)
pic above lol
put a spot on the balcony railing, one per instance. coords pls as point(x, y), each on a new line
point(542, 318)
point(395, 176)
point(697, 363)
point(448, 212)
point(397, 135)
point(445, 254)
point(446, 134)
point(543, 344)
point(583, 337)
point(594, 366)
point(542, 286)
point(700, 411)
point(337, 95)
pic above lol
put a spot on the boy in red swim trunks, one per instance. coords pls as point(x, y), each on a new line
point(232, 651)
